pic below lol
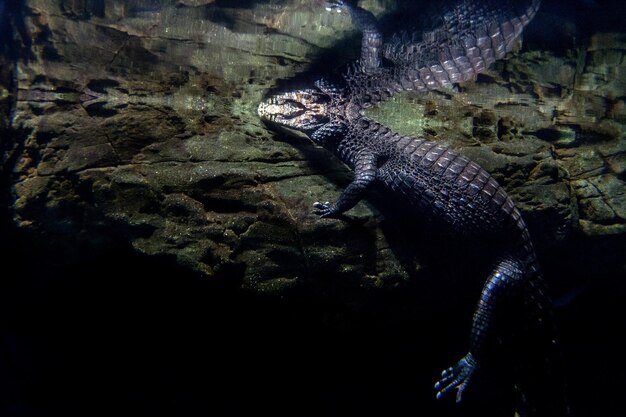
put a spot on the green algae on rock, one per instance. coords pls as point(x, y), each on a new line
point(142, 123)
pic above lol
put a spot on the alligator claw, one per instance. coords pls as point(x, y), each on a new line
point(456, 377)
point(324, 209)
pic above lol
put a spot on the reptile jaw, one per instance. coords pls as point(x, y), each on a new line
point(280, 108)
point(300, 109)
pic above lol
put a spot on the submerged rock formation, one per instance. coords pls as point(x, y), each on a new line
point(139, 122)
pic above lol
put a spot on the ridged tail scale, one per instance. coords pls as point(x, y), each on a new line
point(471, 36)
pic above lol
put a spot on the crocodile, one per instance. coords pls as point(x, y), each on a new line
point(437, 183)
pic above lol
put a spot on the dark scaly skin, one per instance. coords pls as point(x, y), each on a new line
point(440, 184)
point(472, 35)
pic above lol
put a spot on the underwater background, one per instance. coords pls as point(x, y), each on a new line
point(160, 254)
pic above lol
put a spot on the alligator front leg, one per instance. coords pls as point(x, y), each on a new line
point(506, 277)
point(372, 42)
point(364, 175)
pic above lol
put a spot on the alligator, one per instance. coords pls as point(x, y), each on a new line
point(437, 183)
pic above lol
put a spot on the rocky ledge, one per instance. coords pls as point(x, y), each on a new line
point(140, 123)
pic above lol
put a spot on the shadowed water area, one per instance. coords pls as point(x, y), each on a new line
point(161, 253)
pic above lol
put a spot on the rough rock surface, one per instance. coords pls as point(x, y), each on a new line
point(141, 122)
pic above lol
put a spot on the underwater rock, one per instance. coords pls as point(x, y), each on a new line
point(140, 123)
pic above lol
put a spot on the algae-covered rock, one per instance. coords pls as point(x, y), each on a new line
point(140, 122)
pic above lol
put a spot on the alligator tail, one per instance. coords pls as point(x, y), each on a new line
point(470, 39)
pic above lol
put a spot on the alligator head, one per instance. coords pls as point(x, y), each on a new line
point(322, 112)
point(304, 110)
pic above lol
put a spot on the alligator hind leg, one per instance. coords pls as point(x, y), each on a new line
point(506, 277)
point(372, 42)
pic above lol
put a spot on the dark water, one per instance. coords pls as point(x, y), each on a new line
point(95, 324)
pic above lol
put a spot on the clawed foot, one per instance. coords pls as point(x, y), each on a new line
point(324, 209)
point(457, 377)
point(336, 6)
